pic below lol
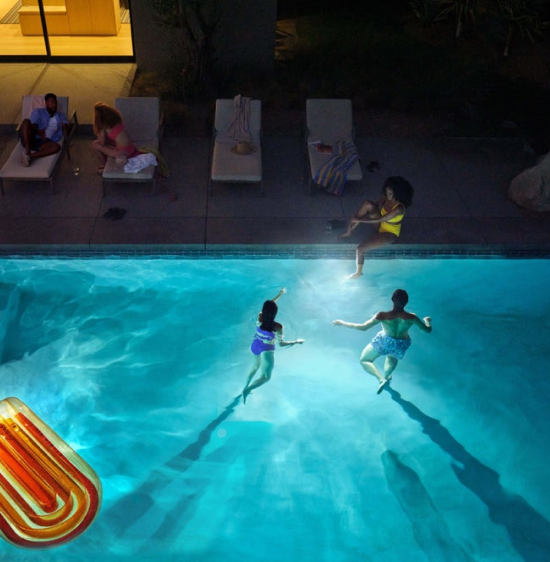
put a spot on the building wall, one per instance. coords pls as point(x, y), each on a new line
point(153, 43)
point(245, 36)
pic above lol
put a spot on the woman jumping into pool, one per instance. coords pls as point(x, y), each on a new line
point(263, 345)
point(388, 212)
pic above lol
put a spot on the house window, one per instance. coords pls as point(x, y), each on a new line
point(74, 28)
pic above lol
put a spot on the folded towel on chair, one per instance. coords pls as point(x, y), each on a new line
point(139, 162)
point(332, 175)
point(239, 128)
point(163, 168)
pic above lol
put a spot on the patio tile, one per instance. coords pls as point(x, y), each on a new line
point(460, 187)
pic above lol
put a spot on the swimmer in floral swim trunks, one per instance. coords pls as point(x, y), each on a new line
point(393, 340)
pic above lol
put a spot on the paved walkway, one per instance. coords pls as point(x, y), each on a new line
point(460, 202)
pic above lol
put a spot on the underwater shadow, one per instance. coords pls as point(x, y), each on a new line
point(429, 528)
point(528, 530)
point(131, 507)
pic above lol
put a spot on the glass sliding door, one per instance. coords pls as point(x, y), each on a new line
point(74, 28)
point(12, 41)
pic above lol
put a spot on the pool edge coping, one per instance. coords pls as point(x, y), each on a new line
point(304, 251)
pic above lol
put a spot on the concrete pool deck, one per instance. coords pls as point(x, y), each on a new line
point(460, 202)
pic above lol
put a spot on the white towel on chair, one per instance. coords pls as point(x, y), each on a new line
point(239, 128)
point(139, 162)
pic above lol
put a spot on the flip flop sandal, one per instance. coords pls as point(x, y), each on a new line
point(115, 213)
point(118, 214)
point(373, 165)
point(338, 224)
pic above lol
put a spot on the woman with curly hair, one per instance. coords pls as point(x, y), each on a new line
point(388, 212)
point(112, 137)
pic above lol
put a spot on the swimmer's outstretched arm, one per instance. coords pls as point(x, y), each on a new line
point(279, 294)
point(425, 324)
point(363, 327)
point(283, 343)
point(287, 343)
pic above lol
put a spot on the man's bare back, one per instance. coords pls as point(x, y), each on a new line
point(397, 323)
point(392, 341)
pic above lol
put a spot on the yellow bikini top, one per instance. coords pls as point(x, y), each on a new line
point(392, 226)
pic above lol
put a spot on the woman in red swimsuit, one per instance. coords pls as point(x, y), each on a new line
point(112, 137)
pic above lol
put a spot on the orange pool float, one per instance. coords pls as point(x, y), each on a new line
point(48, 494)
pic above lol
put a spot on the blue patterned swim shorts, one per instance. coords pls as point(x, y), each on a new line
point(386, 345)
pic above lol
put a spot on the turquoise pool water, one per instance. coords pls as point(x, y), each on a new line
point(138, 365)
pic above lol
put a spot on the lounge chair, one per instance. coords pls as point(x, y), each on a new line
point(42, 169)
point(329, 121)
point(143, 120)
point(227, 165)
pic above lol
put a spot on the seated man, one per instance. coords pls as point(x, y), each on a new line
point(40, 135)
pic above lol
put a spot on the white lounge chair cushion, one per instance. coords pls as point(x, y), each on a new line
point(230, 167)
point(41, 168)
point(141, 116)
point(329, 121)
point(227, 166)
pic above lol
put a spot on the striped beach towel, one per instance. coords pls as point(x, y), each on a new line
point(332, 175)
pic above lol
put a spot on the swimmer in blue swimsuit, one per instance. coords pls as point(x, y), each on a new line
point(268, 333)
point(392, 341)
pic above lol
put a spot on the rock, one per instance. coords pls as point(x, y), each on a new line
point(531, 188)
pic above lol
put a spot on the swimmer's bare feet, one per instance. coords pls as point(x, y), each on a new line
point(345, 234)
point(246, 392)
point(355, 275)
point(383, 383)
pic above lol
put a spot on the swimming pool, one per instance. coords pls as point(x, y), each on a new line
point(138, 364)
